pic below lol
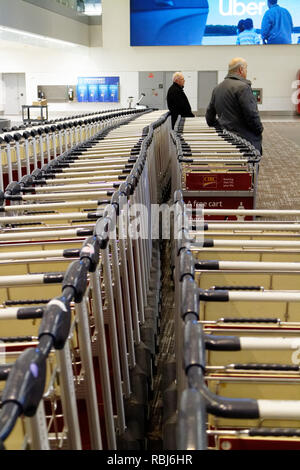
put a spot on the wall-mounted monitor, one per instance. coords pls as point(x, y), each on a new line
point(98, 89)
point(214, 22)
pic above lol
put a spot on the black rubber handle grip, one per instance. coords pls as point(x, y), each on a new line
point(274, 432)
point(71, 253)
point(240, 288)
point(276, 367)
point(17, 339)
point(26, 313)
point(53, 278)
point(5, 370)
point(11, 303)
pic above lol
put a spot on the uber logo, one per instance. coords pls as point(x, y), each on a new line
point(236, 8)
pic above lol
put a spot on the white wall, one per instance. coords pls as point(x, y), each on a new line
point(2, 98)
point(272, 68)
point(128, 87)
point(95, 35)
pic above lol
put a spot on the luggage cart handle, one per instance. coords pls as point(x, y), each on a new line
point(249, 320)
point(22, 313)
point(12, 189)
point(102, 230)
point(10, 303)
point(184, 241)
point(228, 343)
point(187, 265)
point(194, 363)
point(213, 295)
point(76, 279)
point(238, 288)
point(190, 300)
point(222, 343)
point(265, 367)
point(192, 421)
point(8, 416)
point(27, 180)
point(25, 313)
point(18, 339)
point(274, 432)
point(90, 251)
point(238, 408)
point(5, 370)
point(182, 159)
point(26, 380)
point(56, 322)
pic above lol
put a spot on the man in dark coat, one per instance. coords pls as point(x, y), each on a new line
point(178, 103)
point(233, 105)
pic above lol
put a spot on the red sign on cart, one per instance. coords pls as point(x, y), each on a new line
point(218, 182)
point(222, 202)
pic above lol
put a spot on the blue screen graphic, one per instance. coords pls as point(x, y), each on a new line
point(214, 22)
point(93, 93)
point(98, 89)
point(113, 92)
point(103, 93)
point(82, 93)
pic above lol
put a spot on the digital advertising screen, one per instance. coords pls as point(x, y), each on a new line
point(98, 89)
point(214, 22)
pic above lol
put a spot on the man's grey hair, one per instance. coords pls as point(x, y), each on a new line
point(236, 63)
point(177, 75)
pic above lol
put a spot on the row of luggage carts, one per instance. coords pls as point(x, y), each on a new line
point(237, 329)
point(25, 149)
point(213, 167)
point(80, 295)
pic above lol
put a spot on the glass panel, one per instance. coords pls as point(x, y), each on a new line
point(89, 7)
point(82, 7)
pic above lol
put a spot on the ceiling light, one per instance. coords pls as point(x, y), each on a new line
point(92, 10)
point(15, 34)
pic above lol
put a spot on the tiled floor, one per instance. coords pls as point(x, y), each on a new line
point(279, 181)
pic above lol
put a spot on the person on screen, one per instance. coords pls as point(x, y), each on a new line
point(233, 105)
point(277, 25)
point(240, 27)
point(249, 35)
point(177, 100)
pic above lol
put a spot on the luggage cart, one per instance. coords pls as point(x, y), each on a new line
point(214, 168)
point(57, 138)
point(52, 309)
point(267, 323)
point(102, 261)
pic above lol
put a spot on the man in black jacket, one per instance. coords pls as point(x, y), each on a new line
point(178, 103)
point(233, 105)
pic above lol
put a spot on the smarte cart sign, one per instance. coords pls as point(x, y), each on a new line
point(98, 89)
